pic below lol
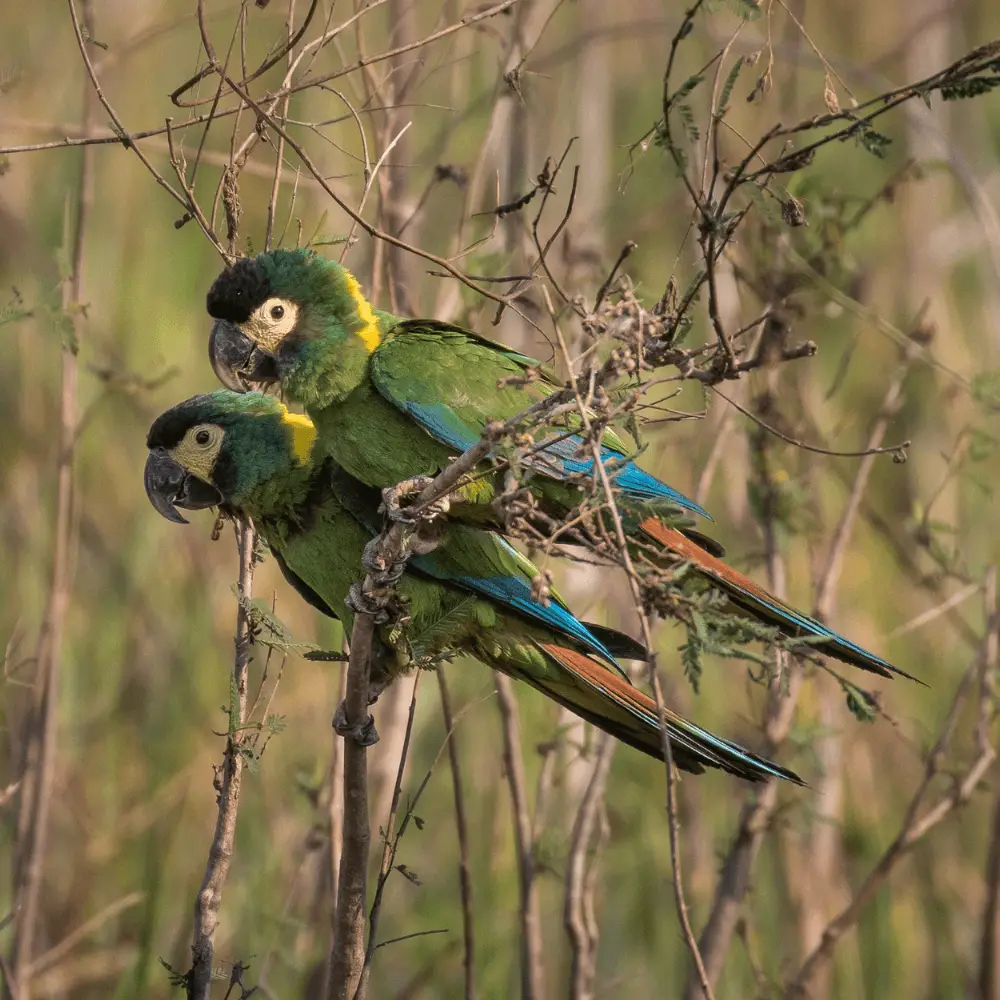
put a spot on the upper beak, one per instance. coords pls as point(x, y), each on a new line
point(237, 360)
point(167, 483)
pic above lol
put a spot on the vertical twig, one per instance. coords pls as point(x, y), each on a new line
point(272, 205)
point(389, 845)
point(989, 957)
point(336, 811)
point(823, 848)
point(461, 824)
point(917, 824)
point(676, 875)
point(532, 977)
point(755, 817)
point(337, 799)
point(38, 771)
point(347, 955)
point(578, 904)
point(220, 853)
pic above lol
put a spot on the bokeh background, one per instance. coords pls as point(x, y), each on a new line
point(147, 644)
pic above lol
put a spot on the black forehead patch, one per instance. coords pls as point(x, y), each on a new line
point(169, 428)
point(240, 289)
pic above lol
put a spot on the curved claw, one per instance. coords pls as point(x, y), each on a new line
point(361, 604)
point(365, 735)
point(373, 562)
point(393, 495)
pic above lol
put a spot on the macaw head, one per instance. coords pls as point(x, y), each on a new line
point(294, 317)
point(225, 449)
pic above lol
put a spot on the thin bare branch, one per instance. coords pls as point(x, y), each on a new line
point(532, 973)
point(228, 783)
point(389, 847)
point(578, 903)
point(347, 953)
point(462, 829)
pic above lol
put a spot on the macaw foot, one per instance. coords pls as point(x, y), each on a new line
point(360, 603)
point(392, 497)
point(365, 735)
point(374, 562)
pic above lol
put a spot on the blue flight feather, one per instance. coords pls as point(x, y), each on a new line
point(556, 458)
point(627, 476)
point(817, 628)
point(443, 423)
point(514, 592)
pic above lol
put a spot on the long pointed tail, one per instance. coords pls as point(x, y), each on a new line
point(603, 698)
point(755, 600)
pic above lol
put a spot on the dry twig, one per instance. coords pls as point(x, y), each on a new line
point(228, 783)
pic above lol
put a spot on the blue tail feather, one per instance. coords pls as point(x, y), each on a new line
point(556, 458)
point(515, 593)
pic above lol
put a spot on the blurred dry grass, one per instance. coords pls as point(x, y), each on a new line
point(148, 637)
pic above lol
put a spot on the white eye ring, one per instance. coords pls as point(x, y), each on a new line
point(204, 437)
point(271, 322)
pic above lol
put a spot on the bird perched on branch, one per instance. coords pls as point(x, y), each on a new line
point(470, 594)
point(395, 399)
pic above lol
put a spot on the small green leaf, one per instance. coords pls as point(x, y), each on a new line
point(981, 445)
point(973, 87)
point(985, 388)
point(861, 704)
point(329, 241)
point(687, 117)
point(872, 141)
point(727, 87)
point(88, 37)
point(686, 87)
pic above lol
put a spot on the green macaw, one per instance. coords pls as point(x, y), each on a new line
point(396, 399)
point(471, 594)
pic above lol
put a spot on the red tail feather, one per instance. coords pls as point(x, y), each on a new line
point(673, 541)
point(600, 677)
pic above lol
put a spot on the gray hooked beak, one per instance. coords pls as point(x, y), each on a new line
point(168, 483)
point(237, 360)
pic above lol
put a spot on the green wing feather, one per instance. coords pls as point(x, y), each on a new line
point(449, 379)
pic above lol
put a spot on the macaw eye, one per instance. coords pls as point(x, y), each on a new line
point(271, 322)
point(202, 438)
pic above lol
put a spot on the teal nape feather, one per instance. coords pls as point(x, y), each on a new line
point(394, 398)
point(471, 595)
